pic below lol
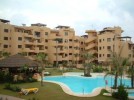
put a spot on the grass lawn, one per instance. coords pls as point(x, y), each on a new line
point(49, 91)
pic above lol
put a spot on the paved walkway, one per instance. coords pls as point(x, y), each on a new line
point(6, 97)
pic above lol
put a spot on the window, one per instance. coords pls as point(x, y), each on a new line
point(99, 48)
point(65, 55)
point(129, 55)
point(108, 39)
point(103, 47)
point(70, 46)
point(6, 30)
point(66, 33)
point(70, 40)
point(66, 47)
point(99, 55)
point(103, 55)
point(66, 40)
point(109, 47)
point(99, 40)
point(46, 47)
point(20, 38)
point(5, 46)
point(46, 33)
point(5, 38)
point(37, 34)
point(19, 46)
point(108, 55)
point(70, 53)
point(46, 40)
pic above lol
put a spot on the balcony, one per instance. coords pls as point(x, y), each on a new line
point(37, 36)
point(93, 51)
point(60, 50)
point(28, 42)
point(90, 46)
point(60, 44)
point(28, 35)
point(40, 43)
point(29, 50)
point(90, 40)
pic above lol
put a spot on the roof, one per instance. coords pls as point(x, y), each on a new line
point(125, 37)
point(17, 61)
point(38, 24)
point(4, 21)
point(61, 26)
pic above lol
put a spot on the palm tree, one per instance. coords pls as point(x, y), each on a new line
point(76, 56)
point(131, 72)
point(64, 63)
point(88, 63)
point(57, 41)
point(41, 58)
point(118, 63)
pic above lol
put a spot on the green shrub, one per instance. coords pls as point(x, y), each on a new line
point(115, 94)
point(8, 78)
point(5, 77)
point(15, 88)
point(98, 69)
point(7, 86)
point(12, 87)
point(121, 94)
point(32, 80)
point(1, 77)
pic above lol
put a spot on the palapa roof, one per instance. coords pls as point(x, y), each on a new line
point(17, 61)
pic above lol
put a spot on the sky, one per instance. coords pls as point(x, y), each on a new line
point(78, 14)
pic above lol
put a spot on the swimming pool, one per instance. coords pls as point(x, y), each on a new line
point(85, 85)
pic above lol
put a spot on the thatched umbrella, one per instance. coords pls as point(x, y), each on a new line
point(17, 61)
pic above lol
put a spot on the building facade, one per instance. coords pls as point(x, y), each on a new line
point(109, 40)
point(61, 44)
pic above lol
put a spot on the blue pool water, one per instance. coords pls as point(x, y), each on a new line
point(86, 85)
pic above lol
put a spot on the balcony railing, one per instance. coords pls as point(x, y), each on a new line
point(91, 46)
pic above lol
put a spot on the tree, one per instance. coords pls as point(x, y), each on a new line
point(76, 56)
point(41, 59)
point(4, 54)
point(57, 41)
point(131, 72)
point(118, 64)
point(88, 63)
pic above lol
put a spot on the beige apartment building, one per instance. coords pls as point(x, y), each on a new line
point(60, 43)
point(106, 40)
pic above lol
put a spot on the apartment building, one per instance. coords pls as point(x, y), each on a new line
point(59, 43)
point(106, 40)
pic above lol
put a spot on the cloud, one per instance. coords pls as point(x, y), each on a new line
point(79, 14)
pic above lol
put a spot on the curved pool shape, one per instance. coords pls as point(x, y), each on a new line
point(84, 85)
